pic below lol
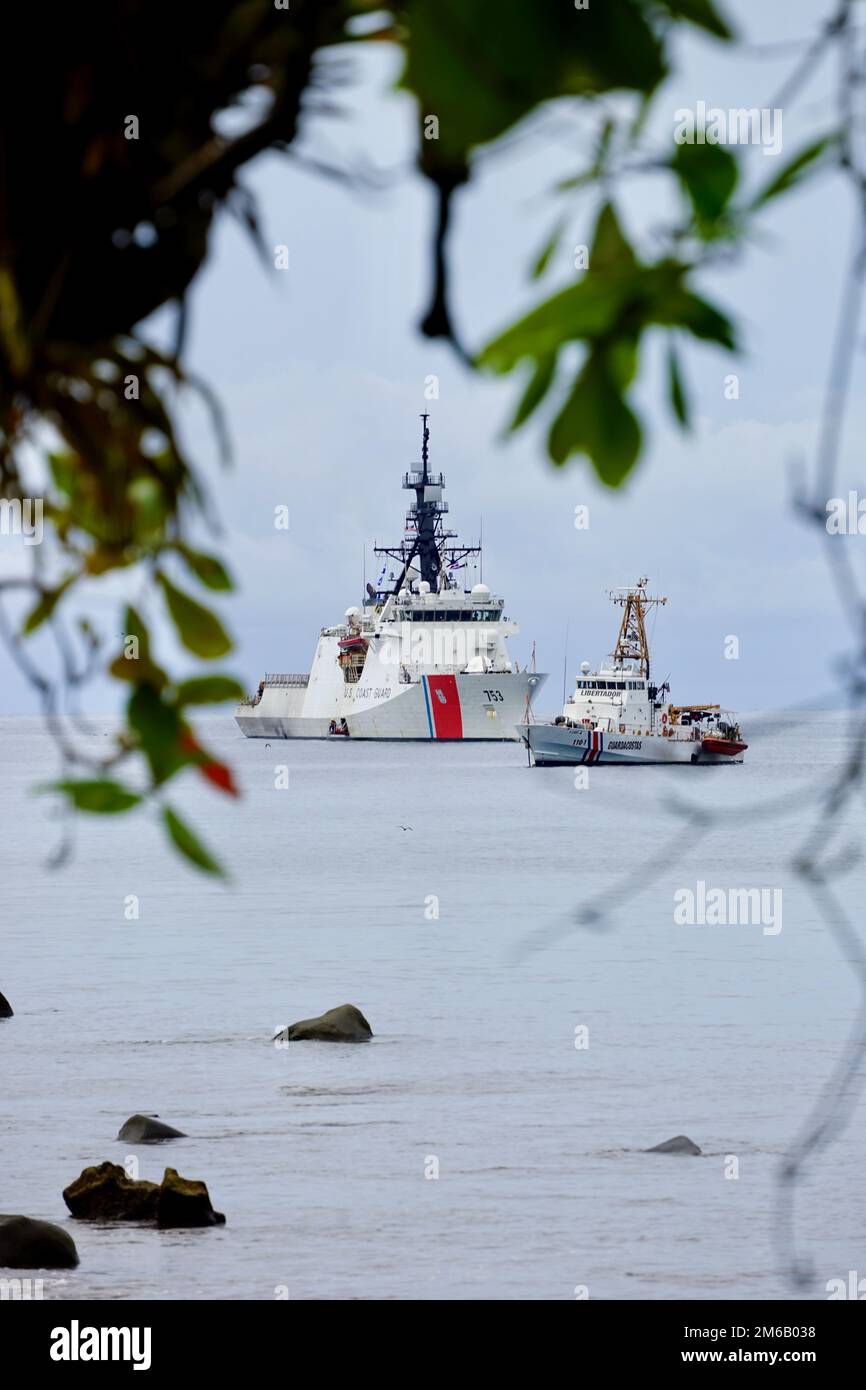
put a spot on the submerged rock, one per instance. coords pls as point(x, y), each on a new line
point(343, 1024)
point(6, 1010)
point(148, 1129)
point(185, 1202)
point(680, 1144)
point(106, 1193)
point(29, 1244)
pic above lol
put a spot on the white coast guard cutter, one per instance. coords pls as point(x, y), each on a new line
point(422, 658)
point(617, 715)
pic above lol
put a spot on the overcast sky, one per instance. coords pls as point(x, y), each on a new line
point(322, 374)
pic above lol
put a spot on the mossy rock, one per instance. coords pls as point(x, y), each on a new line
point(343, 1024)
point(105, 1193)
point(184, 1202)
point(29, 1244)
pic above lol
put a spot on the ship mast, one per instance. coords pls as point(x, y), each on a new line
point(631, 642)
point(427, 510)
point(426, 545)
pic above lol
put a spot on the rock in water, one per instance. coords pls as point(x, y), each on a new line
point(29, 1244)
point(680, 1144)
point(185, 1202)
point(147, 1129)
point(105, 1193)
point(343, 1024)
point(5, 1010)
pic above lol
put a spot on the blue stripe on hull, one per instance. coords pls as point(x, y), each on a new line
point(427, 704)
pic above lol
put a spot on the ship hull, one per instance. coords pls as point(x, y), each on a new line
point(555, 745)
point(470, 707)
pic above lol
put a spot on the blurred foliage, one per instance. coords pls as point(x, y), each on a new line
point(99, 230)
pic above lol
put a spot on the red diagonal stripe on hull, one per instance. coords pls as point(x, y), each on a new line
point(445, 705)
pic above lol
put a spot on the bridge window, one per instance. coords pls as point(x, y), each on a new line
point(450, 615)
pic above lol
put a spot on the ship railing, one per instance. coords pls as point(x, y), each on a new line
point(441, 508)
point(416, 478)
point(283, 678)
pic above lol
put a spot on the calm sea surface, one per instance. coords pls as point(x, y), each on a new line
point(319, 1154)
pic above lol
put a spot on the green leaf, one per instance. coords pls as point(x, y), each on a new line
point(620, 357)
point(151, 505)
point(199, 629)
point(189, 845)
point(708, 173)
point(679, 401)
point(585, 310)
point(43, 609)
point(700, 12)
point(207, 568)
point(611, 251)
point(588, 309)
point(683, 309)
point(482, 67)
point(100, 796)
point(597, 421)
point(536, 390)
point(209, 690)
point(576, 181)
point(543, 259)
point(63, 472)
point(158, 727)
point(141, 668)
point(794, 172)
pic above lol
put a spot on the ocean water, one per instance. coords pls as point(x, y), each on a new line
point(458, 939)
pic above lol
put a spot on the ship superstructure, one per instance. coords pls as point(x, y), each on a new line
point(422, 657)
point(617, 714)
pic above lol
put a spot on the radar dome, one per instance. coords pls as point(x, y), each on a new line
point(481, 590)
point(585, 668)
